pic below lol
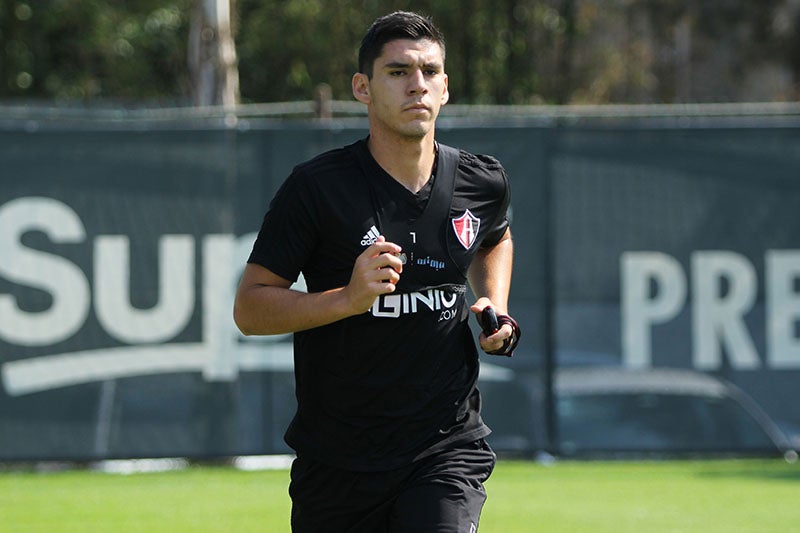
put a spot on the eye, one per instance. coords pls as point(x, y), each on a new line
point(396, 73)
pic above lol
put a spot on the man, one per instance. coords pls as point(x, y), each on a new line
point(386, 232)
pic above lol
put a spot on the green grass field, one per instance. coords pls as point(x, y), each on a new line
point(676, 496)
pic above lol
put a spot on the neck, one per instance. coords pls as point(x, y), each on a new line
point(408, 160)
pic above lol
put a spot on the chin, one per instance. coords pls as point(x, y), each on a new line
point(416, 130)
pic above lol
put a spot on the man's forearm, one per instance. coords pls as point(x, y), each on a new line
point(271, 310)
point(265, 305)
point(490, 273)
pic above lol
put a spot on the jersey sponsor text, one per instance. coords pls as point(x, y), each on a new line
point(395, 305)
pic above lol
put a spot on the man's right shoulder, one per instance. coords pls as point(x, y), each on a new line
point(334, 163)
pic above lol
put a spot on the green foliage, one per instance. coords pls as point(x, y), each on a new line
point(82, 49)
point(494, 47)
point(287, 48)
point(499, 51)
point(537, 51)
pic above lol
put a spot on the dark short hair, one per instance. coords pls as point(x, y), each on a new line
point(391, 27)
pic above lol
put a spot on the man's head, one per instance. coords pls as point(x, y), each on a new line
point(397, 25)
point(401, 77)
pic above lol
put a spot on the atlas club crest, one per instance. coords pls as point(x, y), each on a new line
point(466, 227)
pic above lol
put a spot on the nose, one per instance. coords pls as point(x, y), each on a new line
point(416, 82)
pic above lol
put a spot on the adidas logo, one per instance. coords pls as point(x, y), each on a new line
point(371, 236)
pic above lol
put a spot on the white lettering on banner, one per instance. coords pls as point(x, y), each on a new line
point(61, 279)
point(783, 301)
point(221, 353)
point(724, 288)
point(112, 289)
point(655, 290)
point(717, 318)
point(639, 310)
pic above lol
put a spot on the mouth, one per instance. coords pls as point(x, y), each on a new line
point(417, 107)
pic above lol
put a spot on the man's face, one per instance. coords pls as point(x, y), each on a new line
point(407, 88)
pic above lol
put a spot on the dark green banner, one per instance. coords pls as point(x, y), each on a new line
point(657, 281)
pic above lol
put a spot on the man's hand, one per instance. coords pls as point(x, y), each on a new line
point(375, 272)
point(494, 342)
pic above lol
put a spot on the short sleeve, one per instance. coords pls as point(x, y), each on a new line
point(290, 229)
point(501, 222)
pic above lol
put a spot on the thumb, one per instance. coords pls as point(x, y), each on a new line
point(480, 304)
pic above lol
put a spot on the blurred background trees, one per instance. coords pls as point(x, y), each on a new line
point(499, 51)
point(69, 50)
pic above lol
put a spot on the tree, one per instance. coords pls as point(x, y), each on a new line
point(212, 54)
point(94, 49)
point(499, 51)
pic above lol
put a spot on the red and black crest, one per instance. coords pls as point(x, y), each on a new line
point(466, 227)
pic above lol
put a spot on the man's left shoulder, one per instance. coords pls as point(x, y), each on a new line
point(480, 165)
point(479, 161)
point(481, 170)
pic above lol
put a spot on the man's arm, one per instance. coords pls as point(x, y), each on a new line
point(490, 279)
point(265, 305)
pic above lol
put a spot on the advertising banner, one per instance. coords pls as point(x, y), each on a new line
point(661, 258)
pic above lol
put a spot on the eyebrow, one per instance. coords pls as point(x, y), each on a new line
point(398, 64)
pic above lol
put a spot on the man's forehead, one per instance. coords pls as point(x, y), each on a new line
point(423, 51)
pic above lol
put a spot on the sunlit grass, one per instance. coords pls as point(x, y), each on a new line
point(687, 496)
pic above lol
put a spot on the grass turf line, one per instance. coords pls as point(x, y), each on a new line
point(669, 496)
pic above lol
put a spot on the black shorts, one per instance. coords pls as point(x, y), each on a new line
point(439, 493)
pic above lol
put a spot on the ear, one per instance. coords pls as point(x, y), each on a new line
point(361, 88)
point(446, 93)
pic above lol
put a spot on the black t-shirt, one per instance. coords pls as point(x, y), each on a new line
point(378, 390)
